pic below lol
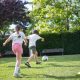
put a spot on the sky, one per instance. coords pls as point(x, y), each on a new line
point(29, 6)
point(27, 0)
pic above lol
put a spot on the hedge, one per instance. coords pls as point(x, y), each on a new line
point(70, 41)
point(8, 47)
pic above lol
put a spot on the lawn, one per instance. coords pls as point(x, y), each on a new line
point(56, 68)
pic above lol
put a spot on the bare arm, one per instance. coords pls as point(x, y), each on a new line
point(42, 39)
point(8, 40)
point(25, 41)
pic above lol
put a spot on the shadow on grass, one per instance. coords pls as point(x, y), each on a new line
point(22, 67)
point(50, 76)
point(56, 65)
point(62, 77)
point(47, 66)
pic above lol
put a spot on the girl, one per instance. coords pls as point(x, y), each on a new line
point(17, 39)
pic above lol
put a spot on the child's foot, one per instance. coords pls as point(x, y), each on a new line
point(27, 64)
point(17, 75)
point(38, 62)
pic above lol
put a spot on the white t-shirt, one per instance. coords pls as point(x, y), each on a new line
point(17, 38)
point(32, 39)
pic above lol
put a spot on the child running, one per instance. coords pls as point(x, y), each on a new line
point(17, 39)
point(32, 47)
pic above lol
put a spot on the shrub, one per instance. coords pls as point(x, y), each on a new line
point(70, 41)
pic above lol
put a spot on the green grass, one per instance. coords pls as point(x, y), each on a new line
point(56, 68)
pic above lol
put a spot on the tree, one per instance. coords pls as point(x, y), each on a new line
point(11, 11)
point(54, 15)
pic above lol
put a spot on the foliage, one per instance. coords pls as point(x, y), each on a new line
point(11, 11)
point(49, 16)
point(70, 41)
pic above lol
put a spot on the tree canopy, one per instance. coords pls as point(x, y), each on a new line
point(11, 11)
point(55, 15)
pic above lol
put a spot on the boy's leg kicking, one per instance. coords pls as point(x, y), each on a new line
point(28, 61)
point(36, 58)
point(31, 50)
point(34, 54)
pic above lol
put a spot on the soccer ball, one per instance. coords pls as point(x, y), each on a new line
point(45, 58)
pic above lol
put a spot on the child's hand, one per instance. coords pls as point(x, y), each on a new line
point(25, 44)
point(42, 39)
point(4, 44)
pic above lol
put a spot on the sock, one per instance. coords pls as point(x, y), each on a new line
point(16, 70)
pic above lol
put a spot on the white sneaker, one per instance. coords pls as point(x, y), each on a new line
point(17, 75)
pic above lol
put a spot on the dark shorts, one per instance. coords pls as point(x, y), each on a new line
point(33, 49)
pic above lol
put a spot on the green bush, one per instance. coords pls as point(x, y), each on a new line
point(70, 41)
point(8, 47)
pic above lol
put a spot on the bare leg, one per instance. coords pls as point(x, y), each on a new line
point(18, 59)
point(36, 58)
point(34, 55)
point(18, 62)
point(30, 58)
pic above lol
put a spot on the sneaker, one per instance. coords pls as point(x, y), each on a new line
point(17, 75)
point(38, 62)
point(27, 64)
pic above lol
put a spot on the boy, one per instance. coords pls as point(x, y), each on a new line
point(32, 47)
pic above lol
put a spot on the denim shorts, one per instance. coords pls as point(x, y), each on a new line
point(33, 48)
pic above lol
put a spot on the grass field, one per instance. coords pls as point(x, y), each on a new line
point(56, 68)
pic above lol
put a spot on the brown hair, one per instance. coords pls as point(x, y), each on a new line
point(35, 32)
point(18, 27)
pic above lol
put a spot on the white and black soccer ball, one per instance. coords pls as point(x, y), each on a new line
point(45, 58)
